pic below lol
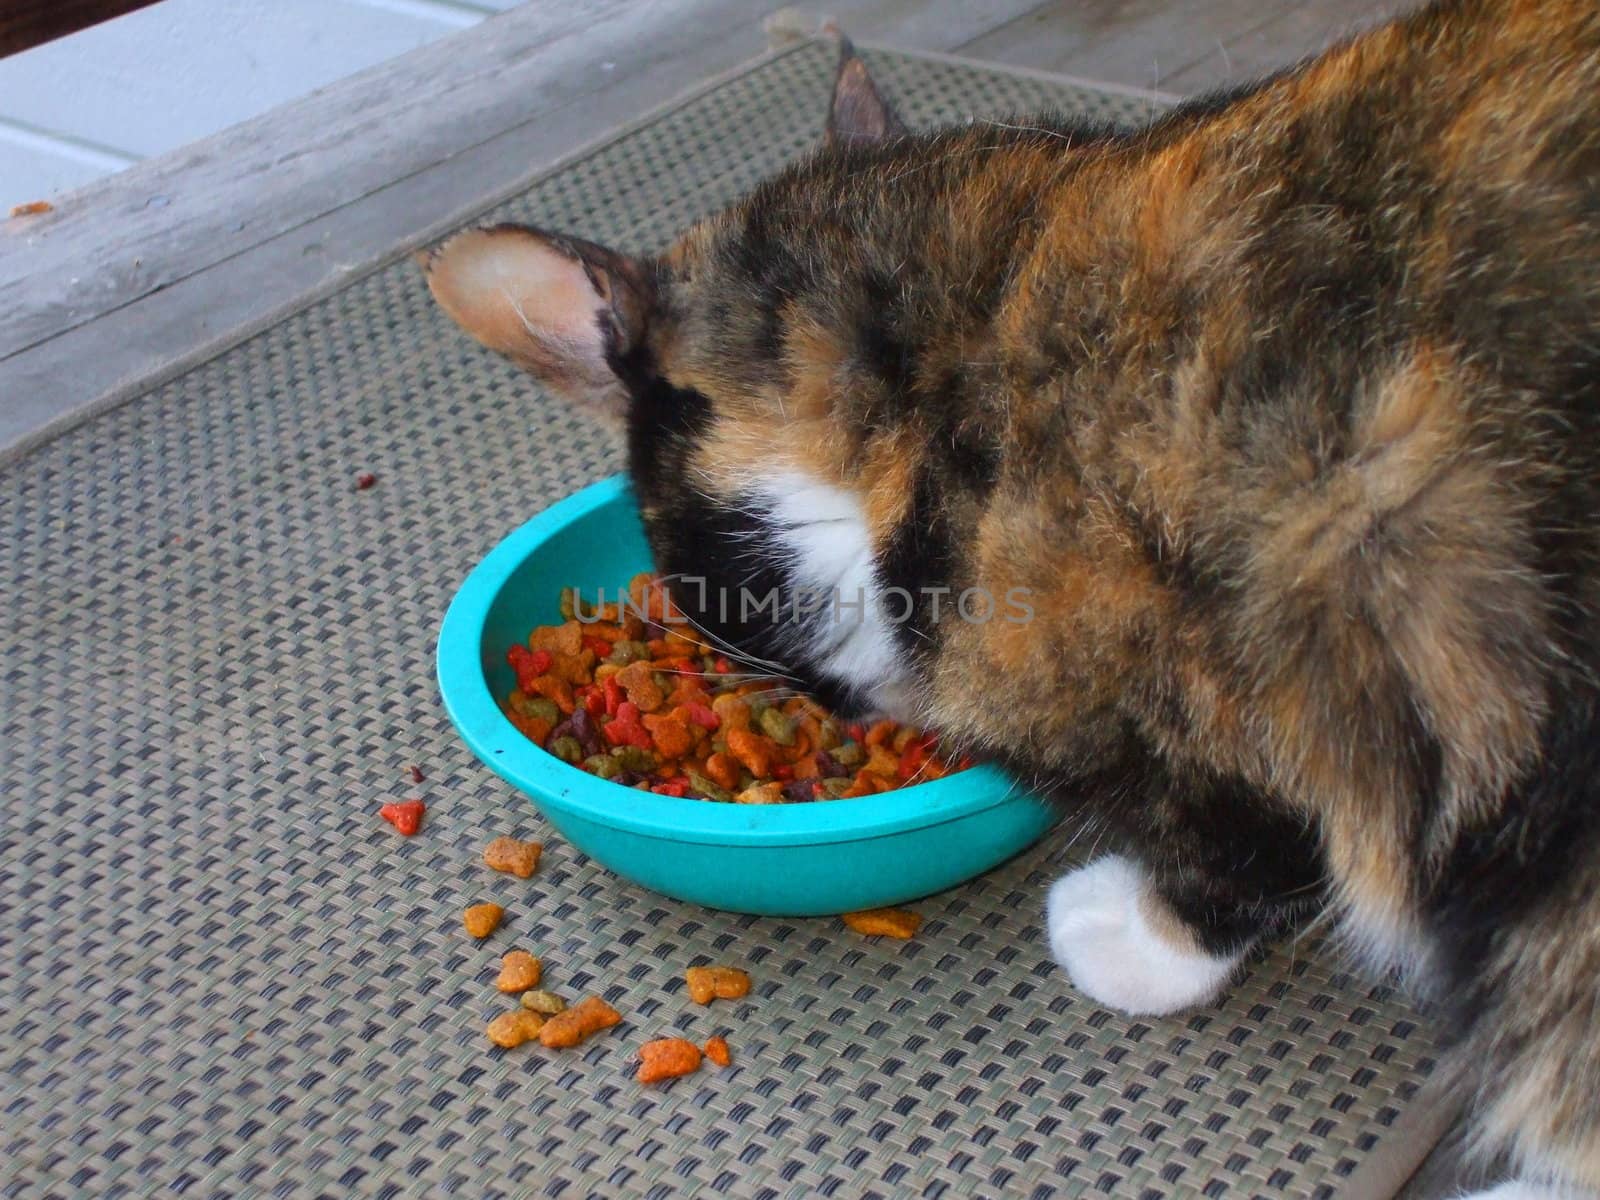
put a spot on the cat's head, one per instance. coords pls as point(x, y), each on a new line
point(704, 356)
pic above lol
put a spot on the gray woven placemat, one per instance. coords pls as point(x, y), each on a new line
point(222, 975)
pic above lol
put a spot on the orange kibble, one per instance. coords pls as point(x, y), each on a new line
point(717, 1051)
point(482, 919)
point(519, 971)
point(552, 688)
point(884, 922)
point(732, 711)
point(565, 638)
point(751, 749)
point(535, 729)
point(515, 1027)
point(723, 771)
point(667, 1058)
point(515, 858)
point(573, 668)
point(570, 1027)
point(671, 736)
point(880, 731)
point(716, 983)
point(639, 681)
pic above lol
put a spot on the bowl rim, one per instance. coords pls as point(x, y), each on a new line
point(506, 751)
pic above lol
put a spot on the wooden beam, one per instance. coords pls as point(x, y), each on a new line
point(28, 23)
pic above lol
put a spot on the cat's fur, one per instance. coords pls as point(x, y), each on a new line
point(1283, 411)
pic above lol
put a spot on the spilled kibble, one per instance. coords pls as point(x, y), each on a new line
point(568, 1028)
point(546, 1004)
point(516, 858)
point(515, 1027)
point(519, 971)
point(717, 1051)
point(483, 919)
point(667, 1058)
point(406, 816)
point(884, 922)
point(716, 983)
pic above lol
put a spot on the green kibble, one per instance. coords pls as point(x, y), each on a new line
point(834, 789)
point(602, 765)
point(777, 726)
point(538, 706)
point(635, 758)
point(662, 680)
point(624, 652)
point(708, 789)
point(568, 749)
point(828, 735)
point(547, 1003)
point(849, 754)
point(569, 603)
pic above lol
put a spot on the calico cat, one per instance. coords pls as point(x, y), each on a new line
point(1282, 413)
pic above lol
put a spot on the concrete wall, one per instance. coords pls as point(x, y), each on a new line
point(97, 101)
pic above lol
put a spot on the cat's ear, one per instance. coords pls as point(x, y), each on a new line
point(859, 112)
point(561, 308)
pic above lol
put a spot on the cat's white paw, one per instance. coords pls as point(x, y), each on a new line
point(1525, 1189)
point(1101, 930)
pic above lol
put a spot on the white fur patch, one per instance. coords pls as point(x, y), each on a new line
point(1099, 933)
point(825, 531)
point(1523, 1189)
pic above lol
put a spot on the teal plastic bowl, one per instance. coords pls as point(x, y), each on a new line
point(777, 860)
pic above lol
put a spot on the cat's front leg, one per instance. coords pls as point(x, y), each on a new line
point(1125, 947)
point(1219, 867)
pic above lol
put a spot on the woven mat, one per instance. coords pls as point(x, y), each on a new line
point(222, 975)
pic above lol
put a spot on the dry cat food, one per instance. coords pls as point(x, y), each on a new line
point(667, 1058)
point(519, 971)
point(546, 1004)
point(884, 922)
point(631, 693)
point(572, 1025)
point(365, 480)
point(716, 983)
point(511, 1029)
point(482, 919)
point(717, 1051)
point(516, 858)
point(406, 816)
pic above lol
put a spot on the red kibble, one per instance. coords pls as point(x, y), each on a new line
point(625, 728)
point(540, 662)
point(416, 774)
point(405, 816)
point(722, 666)
point(600, 647)
point(673, 787)
point(615, 696)
point(365, 480)
point(702, 716)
